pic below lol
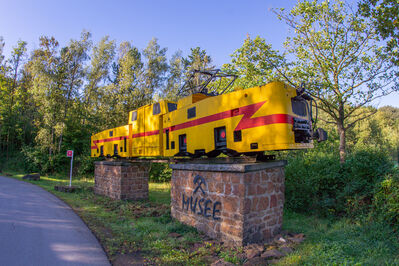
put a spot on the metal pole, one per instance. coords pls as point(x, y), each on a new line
point(70, 173)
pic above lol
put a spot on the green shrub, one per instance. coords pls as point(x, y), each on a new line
point(317, 183)
point(37, 160)
point(364, 171)
point(386, 199)
point(311, 182)
point(160, 172)
point(15, 161)
point(85, 165)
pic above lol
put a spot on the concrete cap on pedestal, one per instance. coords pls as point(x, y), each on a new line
point(229, 167)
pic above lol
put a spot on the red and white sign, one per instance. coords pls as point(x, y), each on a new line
point(69, 153)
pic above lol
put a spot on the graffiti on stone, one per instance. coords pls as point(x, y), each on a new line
point(198, 203)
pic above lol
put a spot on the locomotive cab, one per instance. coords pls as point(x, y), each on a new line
point(303, 119)
point(146, 128)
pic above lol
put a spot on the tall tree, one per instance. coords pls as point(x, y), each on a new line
point(102, 56)
point(125, 93)
point(2, 44)
point(73, 59)
point(198, 59)
point(175, 77)
point(338, 54)
point(256, 63)
point(48, 80)
point(155, 67)
point(13, 66)
point(385, 16)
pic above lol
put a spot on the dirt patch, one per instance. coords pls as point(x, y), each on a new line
point(134, 258)
point(149, 210)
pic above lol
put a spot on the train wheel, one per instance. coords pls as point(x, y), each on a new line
point(251, 154)
point(231, 153)
point(213, 154)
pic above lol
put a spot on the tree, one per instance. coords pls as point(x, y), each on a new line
point(73, 58)
point(338, 55)
point(384, 15)
point(175, 77)
point(198, 59)
point(12, 68)
point(47, 82)
point(155, 68)
point(125, 93)
point(1, 52)
point(101, 59)
point(255, 63)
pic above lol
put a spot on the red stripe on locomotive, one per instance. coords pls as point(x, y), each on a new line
point(246, 121)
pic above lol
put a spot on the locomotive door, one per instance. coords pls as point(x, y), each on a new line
point(152, 129)
point(138, 131)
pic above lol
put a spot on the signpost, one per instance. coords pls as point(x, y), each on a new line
point(70, 154)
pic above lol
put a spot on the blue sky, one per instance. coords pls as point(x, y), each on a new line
point(218, 26)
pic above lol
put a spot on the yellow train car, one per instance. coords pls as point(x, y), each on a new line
point(112, 142)
point(275, 116)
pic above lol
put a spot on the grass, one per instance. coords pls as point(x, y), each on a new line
point(144, 227)
point(341, 242)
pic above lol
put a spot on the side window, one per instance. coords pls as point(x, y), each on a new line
point(134, 116)
point(172, 107)
point(156, 108)
point(111, 133)
point(191, 112)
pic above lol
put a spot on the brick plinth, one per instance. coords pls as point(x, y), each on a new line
point(121, 180)
point(237, 203)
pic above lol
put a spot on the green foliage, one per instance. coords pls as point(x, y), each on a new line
point(85, 165)
point(37, 161)
point(384, 15)
point(364, 171)
point(181, 69)
point(160, 172)
point(386, 199)
point(231, 255)
point(255, 63)
point(317, 183)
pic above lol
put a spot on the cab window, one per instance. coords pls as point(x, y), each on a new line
point(172, 107)
point(299, 107)
point(134, 116)
point(156, 108)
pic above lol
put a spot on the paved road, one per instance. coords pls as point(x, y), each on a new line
point(36, 228)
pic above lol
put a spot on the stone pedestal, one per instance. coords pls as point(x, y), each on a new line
point(122, 180)
point(237, 203)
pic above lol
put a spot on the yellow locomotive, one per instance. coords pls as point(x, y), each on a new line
point(275, 116)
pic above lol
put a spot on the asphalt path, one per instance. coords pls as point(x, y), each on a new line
point(37, 228)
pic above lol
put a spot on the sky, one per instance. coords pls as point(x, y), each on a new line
point(218, 26)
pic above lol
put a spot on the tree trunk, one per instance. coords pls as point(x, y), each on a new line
point(342, 144)
point(342, 133)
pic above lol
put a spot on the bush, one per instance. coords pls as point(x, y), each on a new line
point(15, 162)
point(364, 171)
point(311, 182)
point(386, 199)
point(160, 172)
point(38, 161)
point(317, 183)
point(84, 165)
